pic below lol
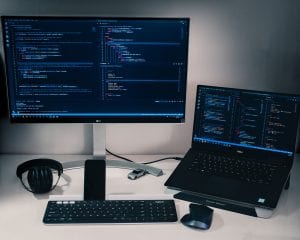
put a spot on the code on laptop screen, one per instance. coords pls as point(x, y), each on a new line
point(244, 118)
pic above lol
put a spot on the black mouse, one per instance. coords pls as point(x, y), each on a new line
point(200, 217)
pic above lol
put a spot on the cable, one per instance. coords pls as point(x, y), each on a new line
point(154, 161)
point(118, 156)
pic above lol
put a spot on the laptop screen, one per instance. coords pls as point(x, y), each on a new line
point(246, 119)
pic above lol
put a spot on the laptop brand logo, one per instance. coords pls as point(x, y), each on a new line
point(261, 200)
point(239, 151)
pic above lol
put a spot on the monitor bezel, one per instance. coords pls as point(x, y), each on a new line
point(98, 119)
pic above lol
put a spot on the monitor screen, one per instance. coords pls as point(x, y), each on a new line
point(90, 69)
point(246, 119)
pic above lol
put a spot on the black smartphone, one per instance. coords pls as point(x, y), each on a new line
point(94, 179)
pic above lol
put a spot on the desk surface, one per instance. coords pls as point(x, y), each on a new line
point(22, 212)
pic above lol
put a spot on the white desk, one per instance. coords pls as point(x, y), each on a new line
point(21, 212)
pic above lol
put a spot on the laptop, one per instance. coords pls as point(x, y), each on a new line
point(242, 151)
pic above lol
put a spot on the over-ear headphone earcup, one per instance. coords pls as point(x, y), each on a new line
point(39, 176)
point(40, 179)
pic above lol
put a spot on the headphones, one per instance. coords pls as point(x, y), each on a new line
point(39, 177)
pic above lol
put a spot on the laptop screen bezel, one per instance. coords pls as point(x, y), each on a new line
point(241, 149)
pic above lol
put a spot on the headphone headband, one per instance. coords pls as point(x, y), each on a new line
point(39, 162)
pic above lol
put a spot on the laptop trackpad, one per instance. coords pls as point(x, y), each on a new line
point(225, 187)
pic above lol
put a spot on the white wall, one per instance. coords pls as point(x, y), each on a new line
point(235, 43)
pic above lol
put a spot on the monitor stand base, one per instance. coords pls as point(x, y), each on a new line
point(116, 164)
point(99, 153)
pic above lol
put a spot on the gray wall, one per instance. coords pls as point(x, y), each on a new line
point(233, 43)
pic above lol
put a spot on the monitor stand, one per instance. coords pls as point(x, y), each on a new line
point(99, 153)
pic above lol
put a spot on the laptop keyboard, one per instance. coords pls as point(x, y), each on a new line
point(224, 166)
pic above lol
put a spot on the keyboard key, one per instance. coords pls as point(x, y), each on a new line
point(232, 167)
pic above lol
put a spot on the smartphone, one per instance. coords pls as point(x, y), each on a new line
point(94, 179)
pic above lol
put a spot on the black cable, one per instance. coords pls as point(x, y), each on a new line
point(118, 156)
point(154, 161)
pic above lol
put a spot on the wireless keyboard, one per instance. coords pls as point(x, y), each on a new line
point(110, 211)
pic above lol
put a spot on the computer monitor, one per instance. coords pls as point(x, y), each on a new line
point(95, 69)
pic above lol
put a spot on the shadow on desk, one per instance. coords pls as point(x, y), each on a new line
point(286, 207)
point(217, 222)
point(290, 198)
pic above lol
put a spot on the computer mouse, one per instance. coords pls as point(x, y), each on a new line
point(200, 217)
